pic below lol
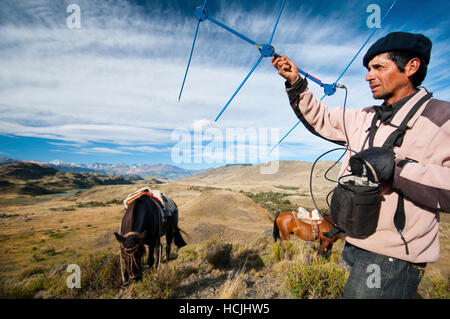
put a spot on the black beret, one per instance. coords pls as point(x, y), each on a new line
point(400, 41)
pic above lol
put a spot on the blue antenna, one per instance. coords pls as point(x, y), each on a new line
point(266, 50)
point(342, 74)
point(200, 19)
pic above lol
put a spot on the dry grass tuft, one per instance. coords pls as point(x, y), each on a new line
point(235, 286)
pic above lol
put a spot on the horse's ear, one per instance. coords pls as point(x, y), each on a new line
point(143, 234)
point(121, 239)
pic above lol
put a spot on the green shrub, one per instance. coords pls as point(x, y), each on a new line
point(319, 280)
point(100, 273)
point(218, 253)
point(25, 289)
point(91, 204)
point(33, 271)
point(160, 283)
point(272, 201)
point(285, 250)
point(187, 253)
point(100, 278)
point(8, 215)
point(49, 251)
point(439, 288)
point(115, 202)
point(249, 259)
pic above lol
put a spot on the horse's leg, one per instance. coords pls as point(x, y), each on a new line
point(321, 251)
point(329, 249)
point(286, 229)
point(151, 251)
point(325, 248)
point(284, 232)
point(158, 252)
point(284, 235)
point(169, 238)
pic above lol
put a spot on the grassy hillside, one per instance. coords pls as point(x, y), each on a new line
point(230, 251)
point(228, 216)
point(291, 177)
point(33, 179)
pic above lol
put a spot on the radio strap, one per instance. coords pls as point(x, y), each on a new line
point(396, 139)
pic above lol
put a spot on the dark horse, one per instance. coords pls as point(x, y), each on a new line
point(286, 224)
point(141, 225)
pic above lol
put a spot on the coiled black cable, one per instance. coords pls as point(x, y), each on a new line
point(345, 149)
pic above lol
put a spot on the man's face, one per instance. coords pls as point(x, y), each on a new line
point(385, 79)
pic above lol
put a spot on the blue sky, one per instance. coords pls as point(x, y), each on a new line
point(107, 92)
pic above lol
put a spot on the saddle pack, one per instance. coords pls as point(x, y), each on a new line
point(313, 218)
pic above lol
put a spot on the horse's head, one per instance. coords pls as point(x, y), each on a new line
point(132, 250)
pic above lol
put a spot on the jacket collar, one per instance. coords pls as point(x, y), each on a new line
point(403, 110)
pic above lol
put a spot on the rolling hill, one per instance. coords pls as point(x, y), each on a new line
point(291, 177)
point(33, 179)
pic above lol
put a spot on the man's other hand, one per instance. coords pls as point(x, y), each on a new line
point(381, 159)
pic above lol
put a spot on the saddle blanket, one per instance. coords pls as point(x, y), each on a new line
point(303, 215)
point(143, 191)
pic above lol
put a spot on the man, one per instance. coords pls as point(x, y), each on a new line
point(415, 173)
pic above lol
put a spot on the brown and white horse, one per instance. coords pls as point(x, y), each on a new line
point(286, 224)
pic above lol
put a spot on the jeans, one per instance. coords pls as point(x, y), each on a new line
point(374, 276)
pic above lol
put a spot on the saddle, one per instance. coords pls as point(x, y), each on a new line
point(165, 205)
point(142, 191)
point(312, 218)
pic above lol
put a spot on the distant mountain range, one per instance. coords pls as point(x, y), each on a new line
point(158, 171)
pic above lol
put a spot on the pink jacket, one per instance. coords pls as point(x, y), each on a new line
point(425, 185)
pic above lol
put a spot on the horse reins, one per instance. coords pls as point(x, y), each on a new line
point(130, 254)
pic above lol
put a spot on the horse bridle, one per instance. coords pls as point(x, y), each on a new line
point(129, 252)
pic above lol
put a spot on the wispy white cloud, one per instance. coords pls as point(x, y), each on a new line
point(116, 79)
point(101, 150)
point(145, 149)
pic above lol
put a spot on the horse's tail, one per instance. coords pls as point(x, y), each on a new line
point(276, 231)
point(178, 239)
